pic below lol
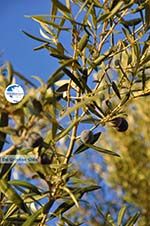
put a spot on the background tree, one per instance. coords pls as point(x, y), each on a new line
point(103, 58)
point(130, 173)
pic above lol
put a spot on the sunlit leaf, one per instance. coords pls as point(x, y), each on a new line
point(115, 9)
point(83, 42)
point(110, 219)
point(32, 218)
point(42, 19)
point(12, 195)
point(121, 215)
point(24, 184)
point(83, 103)
point(61, 6)
point(102, 150)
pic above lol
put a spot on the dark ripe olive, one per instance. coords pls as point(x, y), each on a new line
point(117, 62)
point(37, 106)
point(35, 140)
point(120, 123)
point(45, 159)
point(86, 136)
point(123, 126)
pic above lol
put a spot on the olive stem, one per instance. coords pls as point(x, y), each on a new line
point(73, 137)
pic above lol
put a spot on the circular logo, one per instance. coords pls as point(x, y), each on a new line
point(14, 93)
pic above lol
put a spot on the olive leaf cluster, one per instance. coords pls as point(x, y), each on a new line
point(103, 59)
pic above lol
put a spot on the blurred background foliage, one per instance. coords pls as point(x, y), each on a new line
point(95, 104)
point(130, 174)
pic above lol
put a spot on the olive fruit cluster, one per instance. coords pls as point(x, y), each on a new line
point(120, 124)
point(87, 136)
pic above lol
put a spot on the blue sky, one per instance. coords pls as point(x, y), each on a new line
point(18, 48)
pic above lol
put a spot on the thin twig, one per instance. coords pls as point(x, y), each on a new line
point(110, 31)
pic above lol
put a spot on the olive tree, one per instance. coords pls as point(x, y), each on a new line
point(103, 54)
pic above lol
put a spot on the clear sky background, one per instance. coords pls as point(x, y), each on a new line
point(18, 48)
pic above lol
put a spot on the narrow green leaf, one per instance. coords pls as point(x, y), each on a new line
point(74, 79)
point(79, 192)
point(71, 196)
point(56, 52)
point(53, 11)
point(83, 42)
point(125, 99)
point(89, 11)
point(25, 185)
point(132, 220)
point(88, 189)
point(56, 76)
point(62, 88)
point(12, 208)
point(98, 4)
point(24, 79)
point(43, 210)
point(84, 147)
point(11, 194)
point(114, 10)
point(145, 60)
point(61, 25)
point(62, 208)
point(83, 103)
point(34, 37)
point(132, 22)
point(42, 19)
point(94, 16)
point(101, 58)
point(68, 4)
point(102, 150)
point(40, 47)
point(60, 6)
point(102, 17)
point(121, 215)
point(116, 90)
point(32, 218)
point(91, 107)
